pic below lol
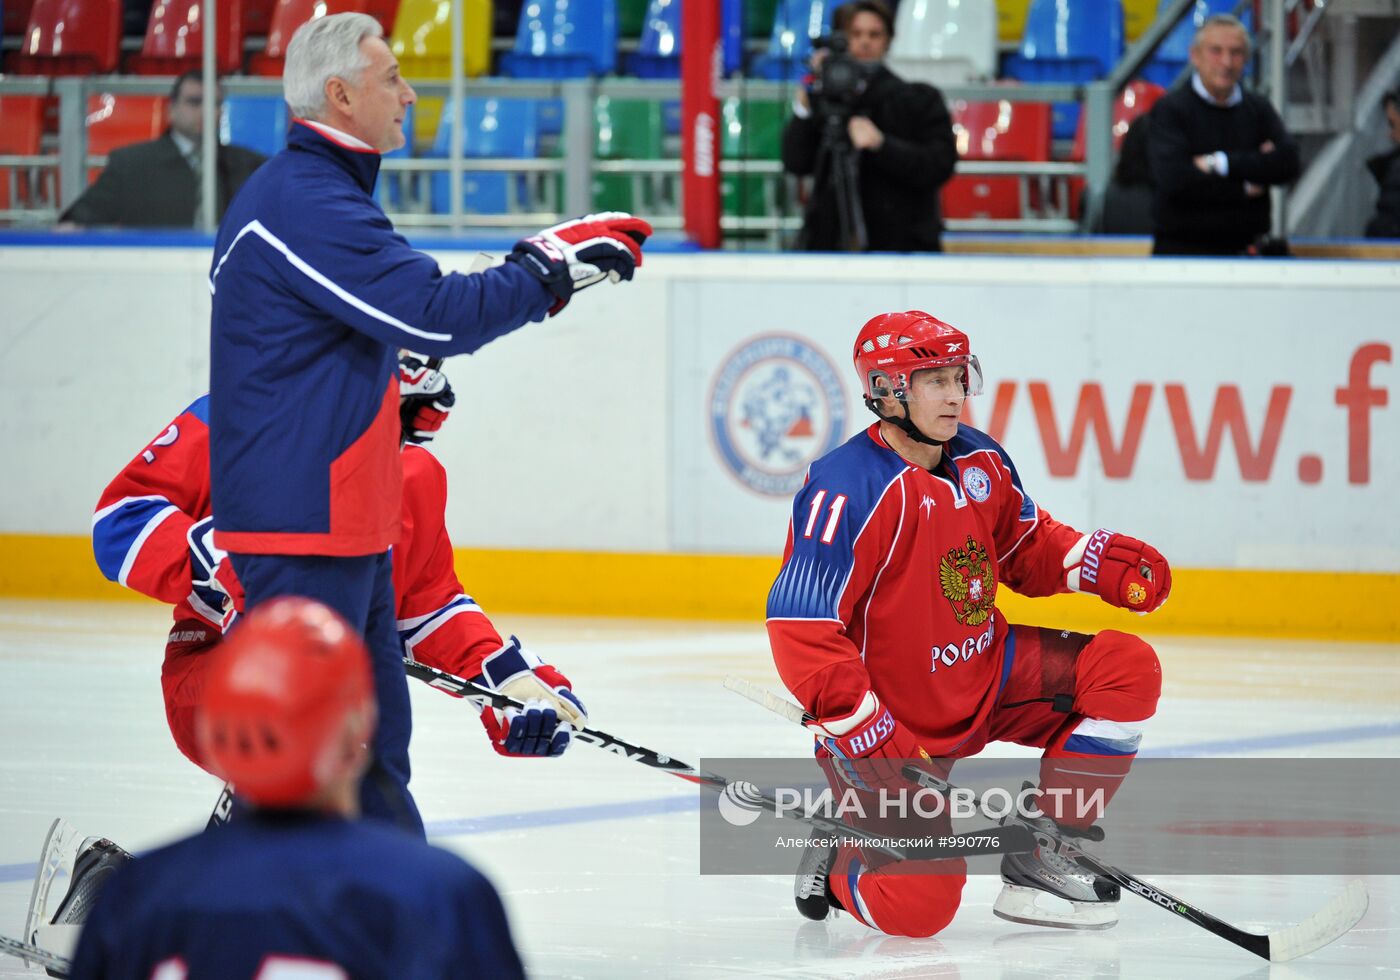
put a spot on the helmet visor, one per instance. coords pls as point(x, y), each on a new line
point(968, 372)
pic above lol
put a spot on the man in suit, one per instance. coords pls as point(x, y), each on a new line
point(157, 184)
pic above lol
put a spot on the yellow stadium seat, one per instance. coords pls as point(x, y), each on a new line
point(1011, 20)
point(1138, 15)
point(422, 41)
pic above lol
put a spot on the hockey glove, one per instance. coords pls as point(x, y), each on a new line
point(578, 253)
point(1120, 570)
point(551, 712)
point(867, 746)
point(215, 591)
point(425, 398)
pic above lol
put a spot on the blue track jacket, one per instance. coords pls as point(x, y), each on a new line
point(313, 294)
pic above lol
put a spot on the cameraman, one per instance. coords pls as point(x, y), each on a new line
point(893, 138)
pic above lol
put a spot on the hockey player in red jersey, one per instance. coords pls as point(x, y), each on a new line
point(299, 886)
point(153, 533)
point(883, 623)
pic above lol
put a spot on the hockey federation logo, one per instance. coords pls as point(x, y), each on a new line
point(777, 404)
point(977, 483)
point(968, 583)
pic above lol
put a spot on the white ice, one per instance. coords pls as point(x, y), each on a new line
point(597, 857)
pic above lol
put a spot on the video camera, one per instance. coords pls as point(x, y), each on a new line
point(841, 80)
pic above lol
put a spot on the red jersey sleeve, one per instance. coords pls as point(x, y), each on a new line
point(138, 530)
point(1031, 545)
point(844, 520)
point(439, 625)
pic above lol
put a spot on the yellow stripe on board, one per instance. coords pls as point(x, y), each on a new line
point(1318, 605)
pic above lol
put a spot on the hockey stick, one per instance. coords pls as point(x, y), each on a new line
point(1328, 923)
point(31, 953)
point(747, 793)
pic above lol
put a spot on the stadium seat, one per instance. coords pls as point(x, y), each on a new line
point(21, 132)
point(1135, 99)
point(286, 18)
point(753, 130)
point(422, 41)
point(116, 120)
point(1069, 41)
point(258, 122)
point(493, 128)
point(631, 15)
point(1012, 131)
point(175, 38)
point(658, 53)
point(564, 39)
point(1011, 20)
point(758, 17)
point(944, 42)
point(387, 12)
point(627, 129)
point(1174, 53)
point(795, 24)
point(422, 38)
point(1138, 16)
point(257, 17)
point(15, 16)
point(70, 37)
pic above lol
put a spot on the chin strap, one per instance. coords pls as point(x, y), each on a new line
point(903, 424)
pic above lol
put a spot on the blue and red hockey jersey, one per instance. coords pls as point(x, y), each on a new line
point(294, 894)
point(313, 294)
point(890, 576)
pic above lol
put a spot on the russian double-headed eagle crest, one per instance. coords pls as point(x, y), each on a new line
point(968, 583)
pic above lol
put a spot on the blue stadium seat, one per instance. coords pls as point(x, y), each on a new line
point(258, 122)
point(658, 53)
point(1174, 52)
point(795, 24)
point(493, 128)
point(564, 39)
point(1068, 41)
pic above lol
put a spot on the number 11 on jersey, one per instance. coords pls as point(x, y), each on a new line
point(838, 504)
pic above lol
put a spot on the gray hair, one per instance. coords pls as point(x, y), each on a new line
point(1224, 20)
point(322, 49)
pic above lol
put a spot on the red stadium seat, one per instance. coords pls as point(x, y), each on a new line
point(16, 16)
point(175, 38)
point(119, 120)
point(70, 37)
point(21, 130)
point(1133, 101)
point(384, 11)
point(286, 18)
point(1011, 131)
point(257, 16)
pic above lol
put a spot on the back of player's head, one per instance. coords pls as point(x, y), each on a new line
point(288, 703)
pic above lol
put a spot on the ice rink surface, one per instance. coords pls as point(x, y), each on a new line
point(597, 857)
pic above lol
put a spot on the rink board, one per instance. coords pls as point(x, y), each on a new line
point(638, 453)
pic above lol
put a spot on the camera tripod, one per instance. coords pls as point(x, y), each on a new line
point(839, 162)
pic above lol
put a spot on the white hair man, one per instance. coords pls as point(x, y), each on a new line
point(313, 294)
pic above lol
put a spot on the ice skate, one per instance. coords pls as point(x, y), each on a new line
point(97, 859)
point(1093, 899)
point(809, 888)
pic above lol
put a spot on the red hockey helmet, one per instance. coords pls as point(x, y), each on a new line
point(892, 346)
point(286, 693)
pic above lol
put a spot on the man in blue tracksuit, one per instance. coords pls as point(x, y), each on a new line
point(313, 295)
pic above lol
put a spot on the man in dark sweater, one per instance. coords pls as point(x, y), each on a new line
point(903, 141)
point(1215, 150)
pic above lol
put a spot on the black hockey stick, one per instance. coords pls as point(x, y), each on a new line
point(997, 842)
point(1330, 922)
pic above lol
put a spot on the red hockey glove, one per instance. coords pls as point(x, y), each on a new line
point(868, 745)
point(578, 253)
point(425, 399)
point(551, 712)
point(1120, 570)
point(215, 592)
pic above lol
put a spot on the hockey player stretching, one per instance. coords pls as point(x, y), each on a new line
point(297, 887)
point(152, 533)
point(884, 625)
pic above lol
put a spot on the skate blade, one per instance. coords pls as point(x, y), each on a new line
point(1017, 904)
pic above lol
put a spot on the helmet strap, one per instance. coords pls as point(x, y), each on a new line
point(902, 423)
